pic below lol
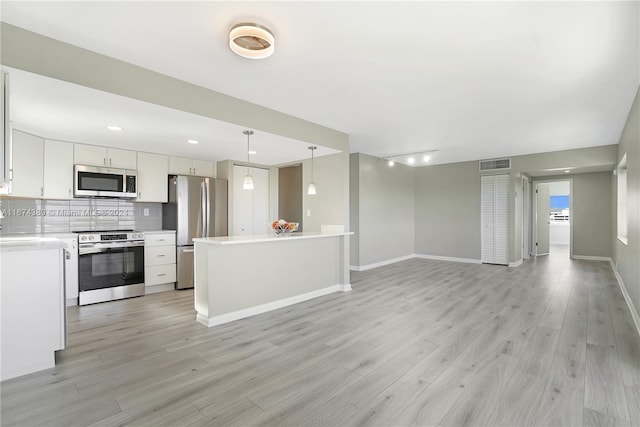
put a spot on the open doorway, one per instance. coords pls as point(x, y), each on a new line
point(552, 218)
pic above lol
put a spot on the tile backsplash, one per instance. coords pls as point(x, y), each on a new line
point(63, 216)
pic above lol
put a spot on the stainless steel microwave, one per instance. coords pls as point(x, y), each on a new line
point(94, 181)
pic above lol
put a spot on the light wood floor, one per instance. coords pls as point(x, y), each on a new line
point(415, 343)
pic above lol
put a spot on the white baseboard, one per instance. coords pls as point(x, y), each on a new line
point(627, 298)
point(72, 302)
point(447, 258)
point(515, 264)
point(592, 258)
point(263, 308)
point(381, 263)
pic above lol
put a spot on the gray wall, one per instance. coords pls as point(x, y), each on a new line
point(354, 207)
point(290, 194)
point(627, 257)
point(447, 210)
point(592, 213)
point(384, 206)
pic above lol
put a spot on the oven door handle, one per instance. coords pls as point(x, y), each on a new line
point(94, 248)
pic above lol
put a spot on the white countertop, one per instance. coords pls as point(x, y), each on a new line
point(159, 231)
point(235, 240)
point(30, 243)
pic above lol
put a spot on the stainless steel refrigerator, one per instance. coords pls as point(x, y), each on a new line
point(197, 207)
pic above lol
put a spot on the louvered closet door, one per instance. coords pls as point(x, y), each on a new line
point(487, 218)
point(495, 219)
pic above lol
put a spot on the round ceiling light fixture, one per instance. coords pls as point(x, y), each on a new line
point(251, 40)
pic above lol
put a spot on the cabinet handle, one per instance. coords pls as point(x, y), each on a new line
point(104, 161)
point(69, 191)
point(42, 191)
point(162, 274)
point(160, 240)
point(109, 162)
point(190, 171)
point(194, 171)
point(161, 255)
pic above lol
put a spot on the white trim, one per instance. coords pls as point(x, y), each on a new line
point(447, 258)
point(591, 258)
point(263, 308)
point(382, 263)
point(627, 298)
point(515, 264)
point(72, 302)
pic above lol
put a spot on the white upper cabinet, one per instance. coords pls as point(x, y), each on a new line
point(102, 156)
point(123, 159)
point(203, 168)
point(153, 170)
point(184, 166)
point(58, 170)
point(28, 159)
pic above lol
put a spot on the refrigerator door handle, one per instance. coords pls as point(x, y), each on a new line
point(203, 213)
point(208, 203)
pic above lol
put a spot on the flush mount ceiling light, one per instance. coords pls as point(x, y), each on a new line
point(114, 128)
point(247, 184)
point(192, 141)
point(251, 40)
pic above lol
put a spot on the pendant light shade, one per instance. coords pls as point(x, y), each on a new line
point(311, 190)
point(247, 184)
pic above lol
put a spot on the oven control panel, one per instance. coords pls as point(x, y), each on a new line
point(110, 237)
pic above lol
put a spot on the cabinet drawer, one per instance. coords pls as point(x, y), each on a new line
point(163, 239)
point(159, 274)
point(159, 255)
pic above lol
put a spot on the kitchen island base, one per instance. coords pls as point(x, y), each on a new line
point(238, 277)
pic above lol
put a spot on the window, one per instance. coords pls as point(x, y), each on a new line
point(622, 200)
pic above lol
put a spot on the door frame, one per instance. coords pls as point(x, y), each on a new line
point(534, 223)
point(526, 217)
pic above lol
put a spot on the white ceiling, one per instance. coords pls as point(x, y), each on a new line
point(68, 112)
point(472, 80)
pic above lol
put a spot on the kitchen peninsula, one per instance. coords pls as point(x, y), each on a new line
point(241, 276)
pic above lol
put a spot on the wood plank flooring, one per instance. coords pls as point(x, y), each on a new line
point(419, 342)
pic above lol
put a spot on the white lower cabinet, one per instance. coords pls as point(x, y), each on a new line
point(32, 309)
point(159, 261)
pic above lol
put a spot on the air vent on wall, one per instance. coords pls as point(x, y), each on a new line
point(495, 164)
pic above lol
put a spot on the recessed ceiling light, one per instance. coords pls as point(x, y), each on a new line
point(426, 158)
point(567, 171)
point(252, 152)
point(391, 163)
point(192, 141)
point(411, 160)
point(251, 40)
point(114, 128)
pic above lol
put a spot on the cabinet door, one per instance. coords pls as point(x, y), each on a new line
point(250, 207)
point(152, 177)
point(180, 166)
point(242, 203)
point(203, 168)
point(260, 212)
point(58, 170)
point(89, 155)
point(28, 159)
point(123, 159)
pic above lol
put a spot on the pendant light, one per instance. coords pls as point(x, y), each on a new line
point(248, 180)
point(311, 190)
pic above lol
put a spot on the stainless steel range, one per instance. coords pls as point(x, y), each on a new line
point(110, 265)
